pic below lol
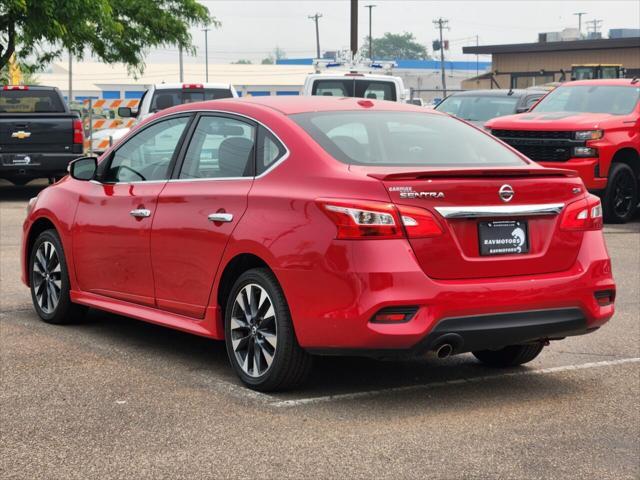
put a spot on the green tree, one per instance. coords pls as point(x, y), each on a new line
point(268, 60)
point(242, 61)
point(111, 30)
point(396, 46)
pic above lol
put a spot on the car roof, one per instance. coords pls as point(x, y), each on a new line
point(498, 92)
point(290, 105)
point(604, 81)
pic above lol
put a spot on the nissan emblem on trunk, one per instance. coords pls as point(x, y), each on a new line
point(506, 193)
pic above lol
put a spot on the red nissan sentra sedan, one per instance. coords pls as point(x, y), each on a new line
point(297, 226)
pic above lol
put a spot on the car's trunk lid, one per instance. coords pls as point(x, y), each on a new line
point(468, 204)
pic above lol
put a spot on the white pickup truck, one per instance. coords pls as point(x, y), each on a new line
point(165, 95)
point(356, 80)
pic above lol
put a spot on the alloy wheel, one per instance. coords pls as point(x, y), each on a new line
point(47, 277)
point(253, 330)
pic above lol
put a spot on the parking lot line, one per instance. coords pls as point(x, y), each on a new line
point(427, 386)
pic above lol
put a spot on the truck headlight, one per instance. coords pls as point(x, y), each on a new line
point(585, 152)
point(589, 135)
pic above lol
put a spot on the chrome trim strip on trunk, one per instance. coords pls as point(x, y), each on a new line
point(500, 210)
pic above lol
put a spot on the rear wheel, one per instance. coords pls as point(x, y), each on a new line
point(49, 280)
point(621, 195)
point(509, 356)
point(260, 340)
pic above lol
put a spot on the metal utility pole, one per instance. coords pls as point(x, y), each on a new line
point(206, 54)
point(315, 18)
point(354, 27)
point(70, 94)
point(477, 57)
point(441, 24)
point(580, 14)
point(370, 7)
point(180, 63)
point(593, 26)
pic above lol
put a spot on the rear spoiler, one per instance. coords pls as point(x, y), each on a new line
point(475, 172)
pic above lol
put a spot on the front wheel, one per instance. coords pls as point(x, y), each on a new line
point(260, 340)
point(621, 197)
point(510, 356)
point(49, 280)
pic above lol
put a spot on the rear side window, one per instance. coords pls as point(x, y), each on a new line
point(387, 138)
point(167, 98)
point(30, 101)
point(270, 150)
point(221, 147)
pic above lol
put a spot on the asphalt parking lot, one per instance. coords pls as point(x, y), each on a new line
point(117, 398)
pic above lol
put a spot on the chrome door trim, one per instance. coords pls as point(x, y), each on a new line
point(220, 217)
point(500, 210)
point(140, 213)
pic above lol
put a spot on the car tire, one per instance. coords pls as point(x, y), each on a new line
point(621, 196)
point(510, 356)
point(259, 335)
point(49, 281)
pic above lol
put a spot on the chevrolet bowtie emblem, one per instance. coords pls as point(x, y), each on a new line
point(21, 135)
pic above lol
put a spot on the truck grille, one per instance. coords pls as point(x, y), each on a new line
point(543, 153)
point(559, 135)
point(541, 146)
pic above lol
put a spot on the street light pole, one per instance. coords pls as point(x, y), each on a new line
point(442, 24)
point(206, 54)
point(354, 28)
point(580, 14)
point(370, 7)
point(315, 18)
point(180, 63)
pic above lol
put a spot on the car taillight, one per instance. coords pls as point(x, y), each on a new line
point(356, 219)
point(15, 87)
point(585, 214)
point(78, 135)
point(187, 86)
point(419, 223)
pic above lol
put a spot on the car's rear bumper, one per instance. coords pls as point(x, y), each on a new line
point(334, 312)
point(587, 169)
point(35, 165)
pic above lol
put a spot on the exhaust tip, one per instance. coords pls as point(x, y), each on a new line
point(444, 350)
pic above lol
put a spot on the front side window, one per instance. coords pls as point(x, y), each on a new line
point(387, 138)
point(147, 156)
point(221, 147)
point(612, 99)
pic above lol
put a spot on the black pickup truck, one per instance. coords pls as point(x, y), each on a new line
point(39, 136)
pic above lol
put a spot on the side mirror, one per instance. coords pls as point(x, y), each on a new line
point(522, 109)
point(83, 168)
point(125, 112)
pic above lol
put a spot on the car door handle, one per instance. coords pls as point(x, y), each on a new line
point(140, 213)
point(220, 217)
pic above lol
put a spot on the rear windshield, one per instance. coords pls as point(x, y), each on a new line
point(355, 87)
point(478, 108)
point(166, 98)
point(613, 99)
point(30, 101)
point(403, 139)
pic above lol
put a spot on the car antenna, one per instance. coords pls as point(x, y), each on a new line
point(510, 92)
point(635, 80)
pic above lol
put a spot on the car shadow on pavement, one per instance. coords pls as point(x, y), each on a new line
point(193, 360)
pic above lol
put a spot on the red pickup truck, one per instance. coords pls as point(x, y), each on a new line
point(592, 127)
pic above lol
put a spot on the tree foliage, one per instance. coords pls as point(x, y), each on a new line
point(396, 46)
point(242, 61)
point(111, 30)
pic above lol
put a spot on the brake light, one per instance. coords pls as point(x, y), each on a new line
point(585, 214)
point(419, 223)
point(187, 86)
point(78, 134)
point(356, 219)
point(16, 87)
